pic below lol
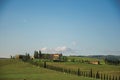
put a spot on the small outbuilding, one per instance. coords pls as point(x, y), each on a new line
point(19, 56)
point(94, 62)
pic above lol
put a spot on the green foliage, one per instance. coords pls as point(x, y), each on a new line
point(64, 58)
point(25, 57)
point(73, 60)
point(46, 56)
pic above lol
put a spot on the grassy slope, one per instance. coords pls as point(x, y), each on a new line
point(86, 58)
point(17, 70)
point(107, 69)
point(104, 68)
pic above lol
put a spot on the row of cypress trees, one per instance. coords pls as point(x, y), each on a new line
point(78, 72)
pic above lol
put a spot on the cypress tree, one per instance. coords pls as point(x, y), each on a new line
point(91, 73)
point(97, 75)
point(110, 77)
point(69, 71)
point(78, 72)
point(116, 78)
point(113, 77)
point(101, 76)
point(44, 64)
point(39, 54)
point(36, 54)
point(104, 76)
point(83, 73)
point(107, 77)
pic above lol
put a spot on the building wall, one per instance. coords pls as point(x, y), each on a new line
point(94, 62)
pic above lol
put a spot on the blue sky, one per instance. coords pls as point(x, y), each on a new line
point(81, 27)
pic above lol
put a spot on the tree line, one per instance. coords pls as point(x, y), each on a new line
point(114, 60)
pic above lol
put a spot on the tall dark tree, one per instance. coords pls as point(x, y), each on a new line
point(40, 54)
point(36, 54)
point(11, 57)
point(91, 73)
point(27, 56)
point(104, 77)
point(45, 64)
point(79, 73)
point(97, 75)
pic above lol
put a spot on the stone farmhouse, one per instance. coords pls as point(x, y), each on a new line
point(54, 57)
point(94, 62)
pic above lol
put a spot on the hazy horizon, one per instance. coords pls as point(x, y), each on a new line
point(73, 27)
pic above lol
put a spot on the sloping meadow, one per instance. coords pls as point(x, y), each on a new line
point(11, 69)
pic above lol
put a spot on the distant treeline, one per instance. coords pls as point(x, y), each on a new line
point(112, 60)
point(108, 59)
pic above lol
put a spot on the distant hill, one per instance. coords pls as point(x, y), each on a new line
point(3, 58)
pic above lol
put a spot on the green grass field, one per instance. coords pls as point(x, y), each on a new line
point(18, 70)
point(113, 70)
point(106, 69)
point(86, 58)
point(103, 68)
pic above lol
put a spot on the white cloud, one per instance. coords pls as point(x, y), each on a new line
point(69, 51)
point(43, 49)
point(62, 49)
